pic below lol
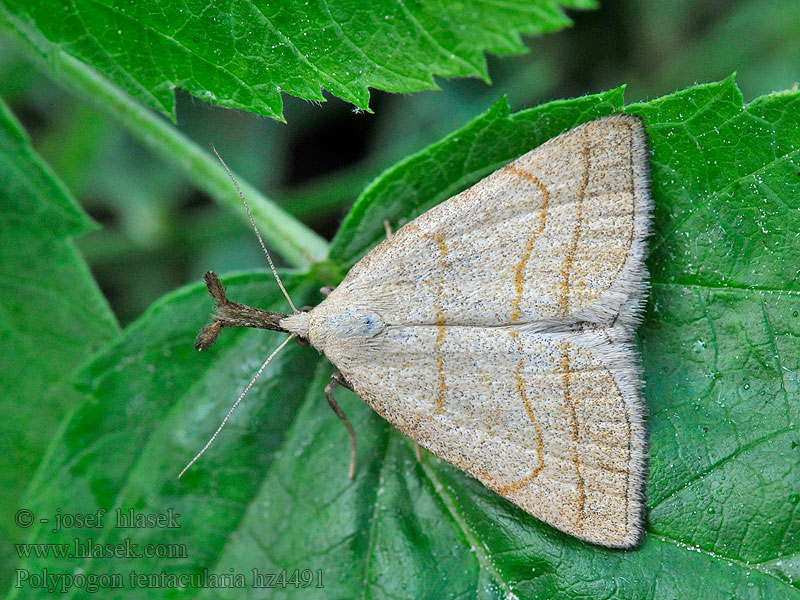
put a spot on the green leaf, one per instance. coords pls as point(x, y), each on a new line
point(244, 54)
point(720, 342)
point(52, 316)
point(720, 365)
point(298, 244)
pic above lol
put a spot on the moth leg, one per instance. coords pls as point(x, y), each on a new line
point(337, 379)
point(325, 291)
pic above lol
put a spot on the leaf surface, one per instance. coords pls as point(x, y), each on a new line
point(52, 315)
point(243, 54)
point(720, 365)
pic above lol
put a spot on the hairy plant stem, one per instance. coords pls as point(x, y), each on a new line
point(297, 244)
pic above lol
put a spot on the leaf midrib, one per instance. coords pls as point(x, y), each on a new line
point(481, 556)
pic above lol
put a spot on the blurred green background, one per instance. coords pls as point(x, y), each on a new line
point(158, 232)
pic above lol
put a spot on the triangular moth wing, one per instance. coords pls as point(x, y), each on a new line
point(558, 235)
point(552, 421)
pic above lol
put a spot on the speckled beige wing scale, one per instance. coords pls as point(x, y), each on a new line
point(496, 329)
point(551, 421)
point(557, 235)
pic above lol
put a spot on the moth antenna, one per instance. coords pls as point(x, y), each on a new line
point(258, 235)
point(236, 404)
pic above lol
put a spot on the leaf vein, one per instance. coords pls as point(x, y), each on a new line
point(720, 462)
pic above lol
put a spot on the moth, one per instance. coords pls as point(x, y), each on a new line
point(496, 330)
